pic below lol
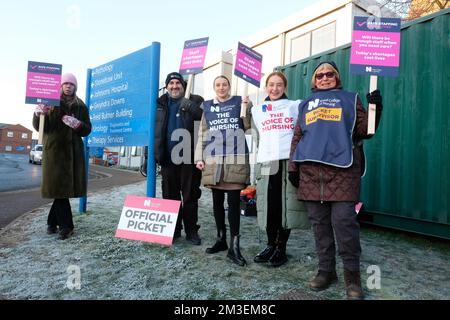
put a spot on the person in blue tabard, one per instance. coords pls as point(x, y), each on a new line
point(326, 164)
point(222, 155)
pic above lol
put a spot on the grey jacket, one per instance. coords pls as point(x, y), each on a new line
point(293, 212)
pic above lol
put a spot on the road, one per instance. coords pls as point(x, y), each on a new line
point(14, 203)
point(16, 173)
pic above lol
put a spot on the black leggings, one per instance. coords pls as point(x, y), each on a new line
point(275, 231)
point(234, 215)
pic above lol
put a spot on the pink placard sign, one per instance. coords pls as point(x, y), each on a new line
point(148, 219)
point(248, 64)
point(375, 46)
point(43, 83)
point(193, 57)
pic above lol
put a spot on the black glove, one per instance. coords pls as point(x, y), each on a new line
point(187, 106)
point(294, 178)
point(374, 97)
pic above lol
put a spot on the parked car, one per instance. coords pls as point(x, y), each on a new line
point(36, 154)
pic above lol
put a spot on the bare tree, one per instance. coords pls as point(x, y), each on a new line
point(413, 9)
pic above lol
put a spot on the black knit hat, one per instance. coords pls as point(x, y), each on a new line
point(177, 76)
point(330, 63)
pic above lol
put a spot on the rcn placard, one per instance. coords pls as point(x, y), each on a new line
point(43, 83)
point(248, 64)
point(193, 57)
point(375, 46)
point(119, 105)
point(148, 219)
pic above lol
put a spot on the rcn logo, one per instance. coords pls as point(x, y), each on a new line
point(267, 107)
point(215, 108)
point(313, 104)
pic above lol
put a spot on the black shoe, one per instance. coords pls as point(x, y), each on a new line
point(323, 280)
point(278, 258)
point(194, 239)
point(264, 255)
point(65, 233)
point(220, 245)
point(177, 234)
point(52, 229)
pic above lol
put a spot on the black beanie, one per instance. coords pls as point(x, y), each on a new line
point(329, 62)
point(177, 76)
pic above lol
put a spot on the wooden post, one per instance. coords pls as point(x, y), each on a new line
point(41, 128)
point(244, 105)
point(372, 108)
point(187, 94)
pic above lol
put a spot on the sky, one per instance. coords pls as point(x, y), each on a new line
point(85, 34)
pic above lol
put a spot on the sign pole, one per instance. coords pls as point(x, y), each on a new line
point(41, 128)
point(187, 94)
point(244, 105)
point(83, 200)
point(372, 107)
point(154, 87)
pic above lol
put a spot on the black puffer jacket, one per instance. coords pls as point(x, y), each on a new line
point(190, 112)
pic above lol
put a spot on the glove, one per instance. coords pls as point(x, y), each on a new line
point(187, 107)
point(294, 178)
point(41, 109)
point(374, 97)
point(72, 122)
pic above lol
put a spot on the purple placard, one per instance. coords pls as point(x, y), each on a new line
point(248, 64)
point(193, 57)
point(43, 83)
point(375, 46)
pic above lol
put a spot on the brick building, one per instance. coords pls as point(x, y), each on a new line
point(15, 138)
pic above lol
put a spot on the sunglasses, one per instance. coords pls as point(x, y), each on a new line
point(330, 74)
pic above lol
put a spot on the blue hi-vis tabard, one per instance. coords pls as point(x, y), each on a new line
point(226, 130)
point(327, 119)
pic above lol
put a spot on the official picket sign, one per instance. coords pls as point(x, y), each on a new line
point(119, 103)
point(148, 219)
point(43, 83)
point(193, 57)
point(248, 64)
point(375, 46)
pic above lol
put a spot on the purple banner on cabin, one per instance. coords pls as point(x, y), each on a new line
point(193, 57)
point(248, 65)
point(375, 46)
point(43, 83)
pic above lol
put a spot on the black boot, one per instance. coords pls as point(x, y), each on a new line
point(234, 253)
point(323, 280)
point(353, 285)
point(221, 243)
point(264, 255)
point(279, 256)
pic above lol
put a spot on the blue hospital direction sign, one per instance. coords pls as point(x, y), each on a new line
point(119, 105)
